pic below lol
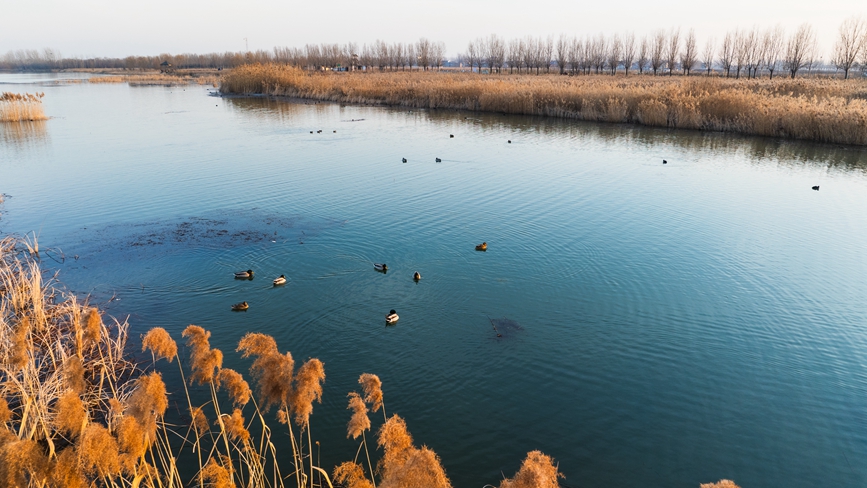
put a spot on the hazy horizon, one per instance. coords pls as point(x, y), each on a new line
point(97, 28)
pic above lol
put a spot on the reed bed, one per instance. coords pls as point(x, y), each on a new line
point(157, 79)
point(821, 110)
point(21, 107)
point(76, 411)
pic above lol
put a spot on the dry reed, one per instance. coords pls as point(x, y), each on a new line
point(537, 471)
point(351, 475)
point(18, 107)
point(720, 484)
point(272, 370)
point(359, 422)
point(155, 79)
point(160, 344)
point(823, 110)
point(372, 386)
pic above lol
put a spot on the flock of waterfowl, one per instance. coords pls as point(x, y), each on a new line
point(390, 318)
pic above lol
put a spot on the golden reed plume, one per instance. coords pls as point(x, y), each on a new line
point(71, 416)
point(359, 421)
point(203, 359)
point(351, 475)
point(160, 343)
point(372, 390)
point(239, 390)
point(720, 484)
point(405, 466)
point(272, 370)
point(308, 388)
point(537, 471)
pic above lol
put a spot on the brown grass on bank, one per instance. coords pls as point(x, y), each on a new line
point(18, 107)
point(156, 79)
point(822, 110)
point(720, 484)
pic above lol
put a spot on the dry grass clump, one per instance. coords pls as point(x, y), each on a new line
point(537, 471)
point(720, 484)
point(18, 107)
point(822, 110)
point(158, 79)
point(405, 466)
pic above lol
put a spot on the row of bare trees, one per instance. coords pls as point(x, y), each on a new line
point(424, 54)
point(750, 52)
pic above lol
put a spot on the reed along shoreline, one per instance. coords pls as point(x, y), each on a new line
point(820, 110)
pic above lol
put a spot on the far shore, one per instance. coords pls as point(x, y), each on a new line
point(821, 110)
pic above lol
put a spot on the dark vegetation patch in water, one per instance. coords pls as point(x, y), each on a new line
point(222, 229)
point(505, 328)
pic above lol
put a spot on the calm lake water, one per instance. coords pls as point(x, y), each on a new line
point(676, 323)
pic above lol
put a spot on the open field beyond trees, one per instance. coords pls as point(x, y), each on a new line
point(823, 110)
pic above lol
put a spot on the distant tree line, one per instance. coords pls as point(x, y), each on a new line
point(741, 52)
point(750, 53)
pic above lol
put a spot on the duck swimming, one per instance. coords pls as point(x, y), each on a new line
point(439, 160)
point(416, 276)
point(240, 307)
point(244, 275)
point(280, 281)
point(380, 267)
point(482, 247)
point(391, 317)
point(404, 160)
point(816, 187)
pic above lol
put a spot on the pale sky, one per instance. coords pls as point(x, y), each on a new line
point(118, 28)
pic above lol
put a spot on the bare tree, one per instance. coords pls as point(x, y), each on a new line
point(643, 53)
point(600, 47)
point(423, 49)
point(799, 49)
point(657, 51)
point(562, 52)
point(851, 38)
point(628, 51)
point(673, 50)
point(410, 56)
point(741, 52)
point(515, 55)
point(547, 52)
point(471, 55)
point(773, 44)
point(495, 51)
point(689, 56)
point(727, 51)
point(575, 50)
point(708, 55)
point(528, 49)
point(614, 51)
point(438, 53)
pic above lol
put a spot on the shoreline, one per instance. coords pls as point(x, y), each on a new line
point(812, 110)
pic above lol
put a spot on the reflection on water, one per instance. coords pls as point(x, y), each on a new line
point(24, 135)
point(836, 157)
point(661, 325)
